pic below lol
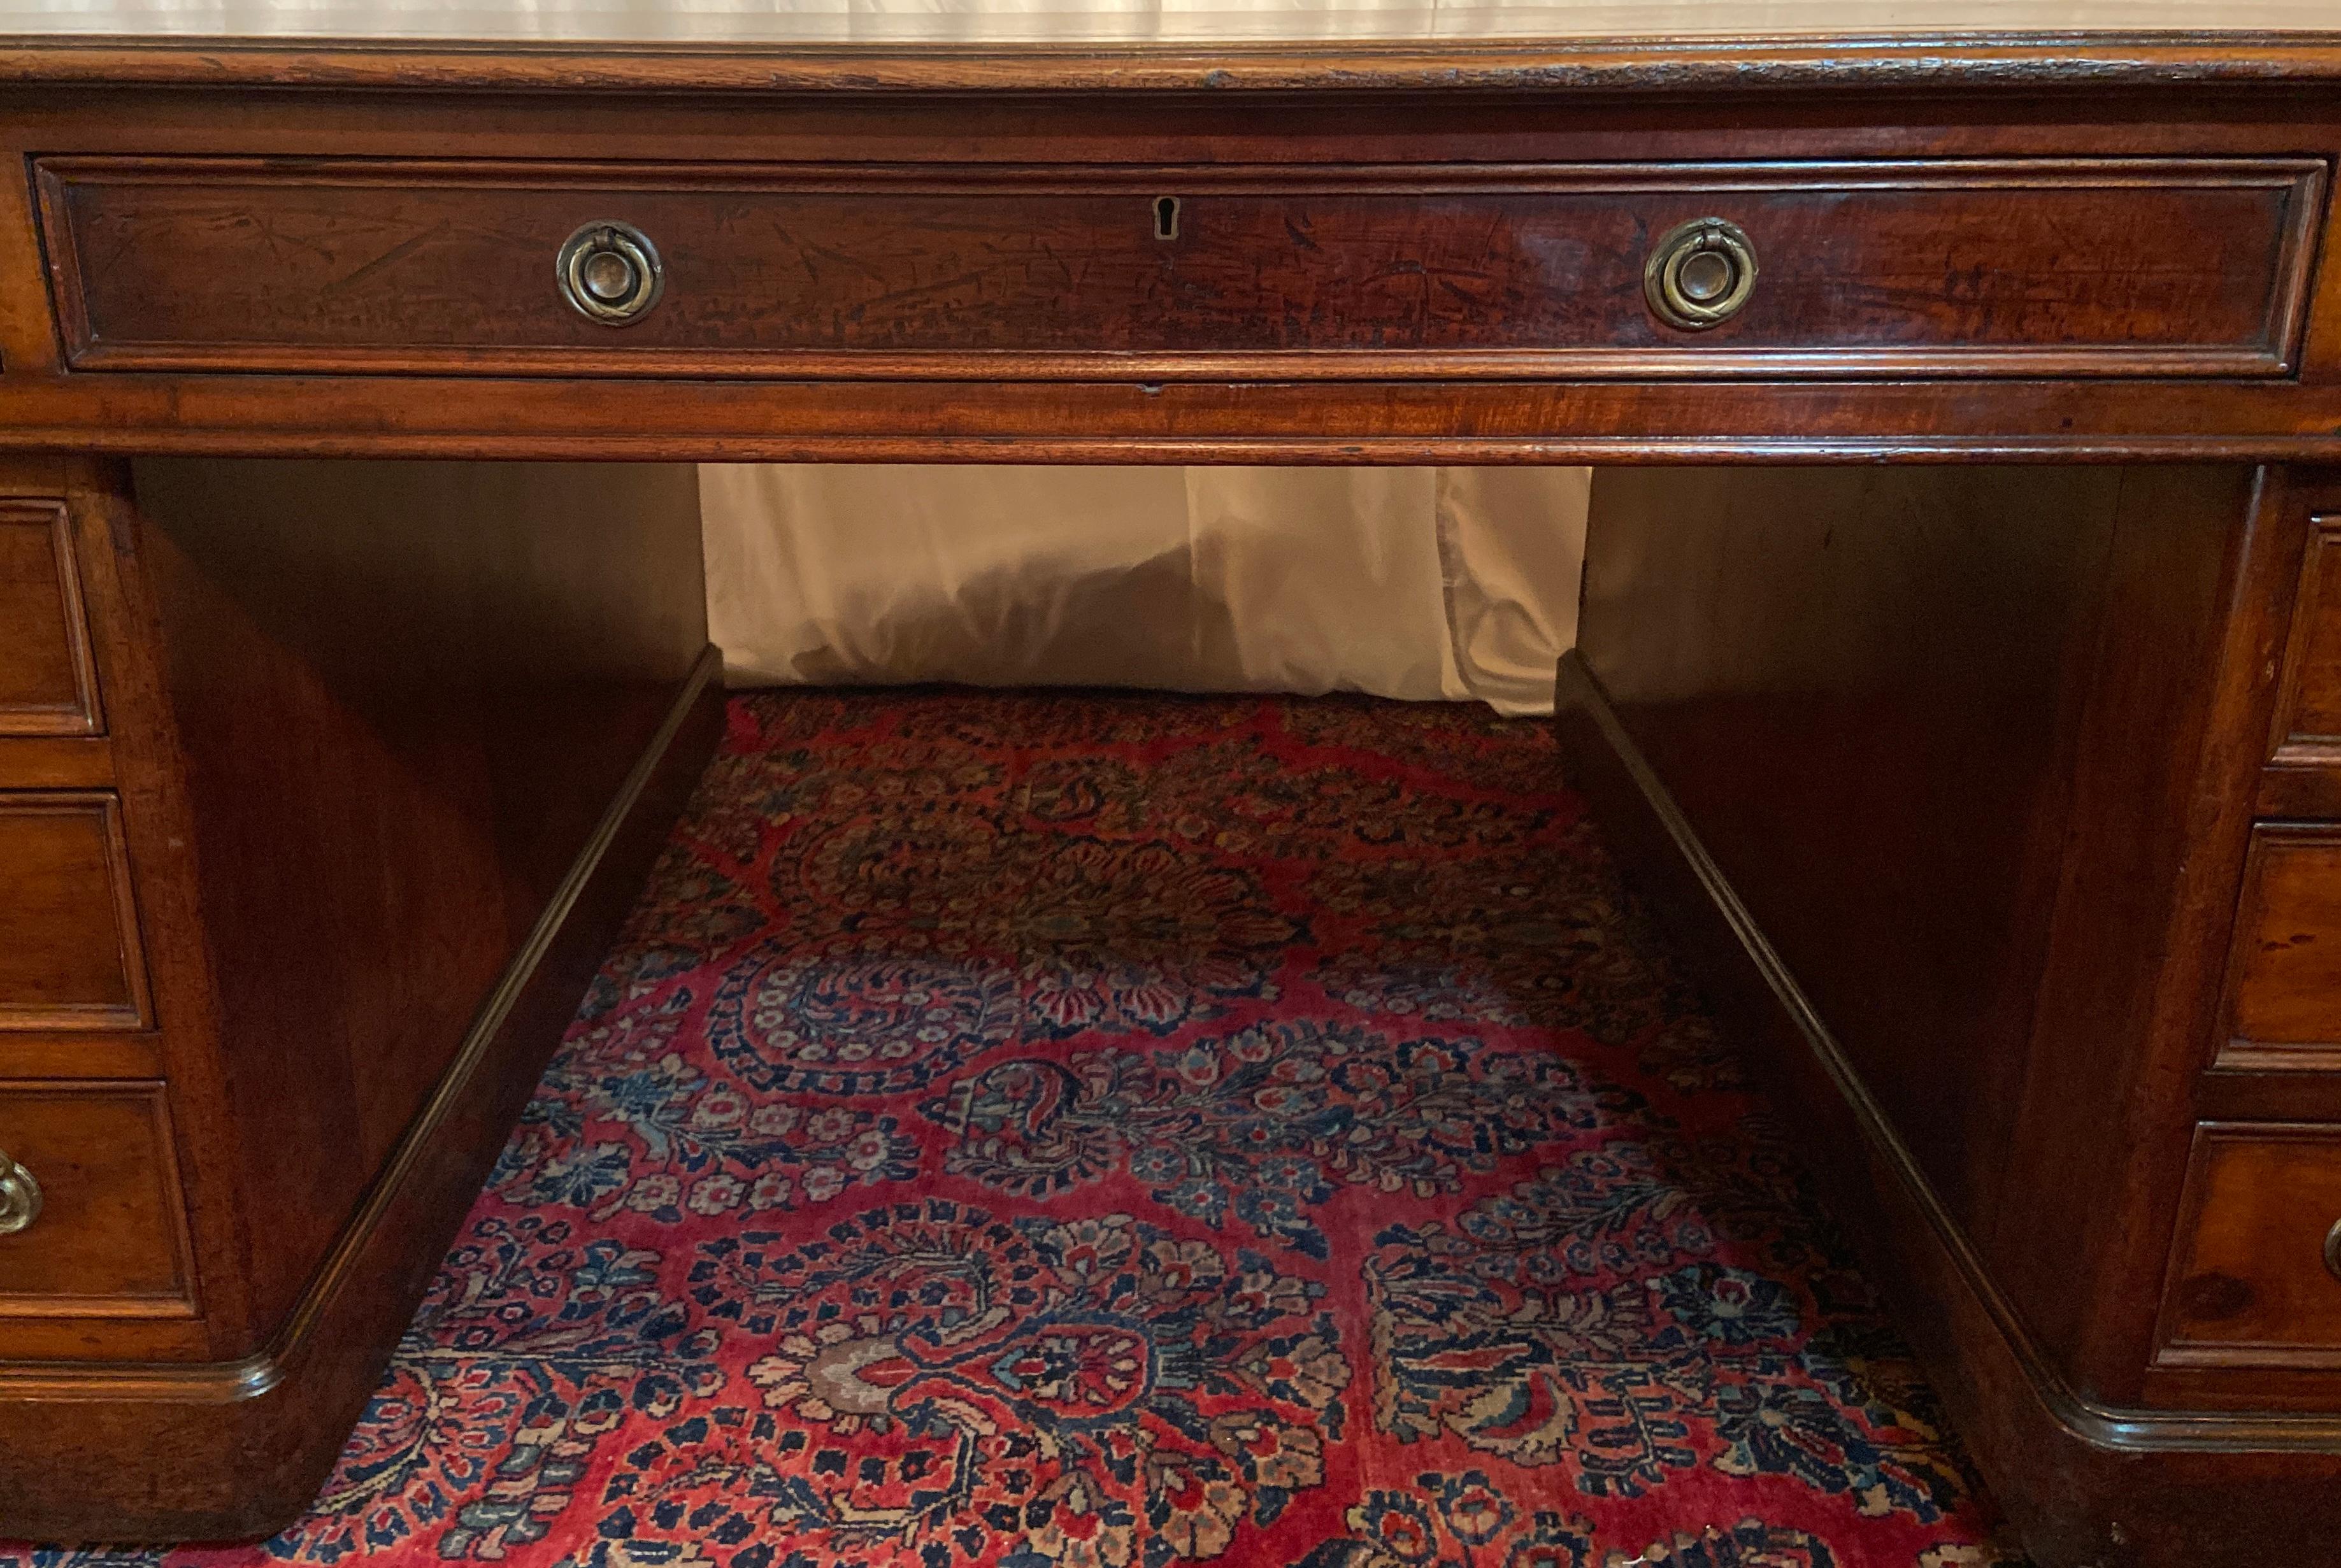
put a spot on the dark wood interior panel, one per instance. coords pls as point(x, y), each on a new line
point(48, 683)
point(110, 1238)
point(69, 951)
point(1861, 687)
point(2085, 1485)
point(407, 692)
point(2104, 266)
point(2204, 561)
point(1908, 712)
point(2255, 1275)
point(203, 1453)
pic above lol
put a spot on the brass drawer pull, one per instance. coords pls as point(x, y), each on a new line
point(1700, 274)
point(611, 273)
point(20, 1197)
point(2333, 1250)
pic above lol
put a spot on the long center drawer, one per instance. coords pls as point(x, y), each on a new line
point(2097, 267)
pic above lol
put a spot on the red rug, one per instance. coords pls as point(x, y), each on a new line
point(1079, 1132)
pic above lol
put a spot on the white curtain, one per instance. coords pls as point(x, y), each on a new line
point(1421, 583)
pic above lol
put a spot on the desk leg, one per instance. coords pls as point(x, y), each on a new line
point(377, 757)
point(1948, 777)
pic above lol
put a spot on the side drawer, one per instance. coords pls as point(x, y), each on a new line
point(109, 1236)
point(2303, 774)
point(70, 957)
point(2016, 266)
point(2256, 1270)
point(48, 684)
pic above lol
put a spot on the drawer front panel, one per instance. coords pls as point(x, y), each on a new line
point(2255, 1275)
point(69, 951)
point(2283, 1006)
point(109, 1239)
point(2304, 772)
point(2098, 267)
point(48, 685)
point(2308, 725)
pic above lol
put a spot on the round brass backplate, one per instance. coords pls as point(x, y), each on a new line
point(1700, 274)
point(20, 1197)
point(610, 273)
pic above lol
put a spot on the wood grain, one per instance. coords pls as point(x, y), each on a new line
point(111, 1238)
point(1992, 922)
point(403, 412)
point(397, 732)
point(2086, 1483)
point(2203, 562)
point(2110, 267)
point(2284, 977)
point(70, 957)
point(1387, 407)
point(2309, 715)
point(909, 28)
point(48, 684)
point(2250, 1285)
point(2304, 772)
point(2303, 776)
point(236, 1449)
point(1405, 49)
point(1884, 784)
point(390, 785)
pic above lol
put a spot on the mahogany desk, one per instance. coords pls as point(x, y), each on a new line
point(1985, 716)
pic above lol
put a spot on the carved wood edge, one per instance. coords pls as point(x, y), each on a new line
point(259, 1374)
point(2115, 1429)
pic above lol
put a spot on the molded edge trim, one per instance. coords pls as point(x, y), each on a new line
point(262, 439)
point(1980, 59)
point(2114, 1429)
point(251, 1376)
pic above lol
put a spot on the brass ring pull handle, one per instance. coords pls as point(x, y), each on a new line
point(611, 273)
point(1700, 274)
point(20, 1197)
point(2333, 1249)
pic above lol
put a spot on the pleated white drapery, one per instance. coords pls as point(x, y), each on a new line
point(1422, 583)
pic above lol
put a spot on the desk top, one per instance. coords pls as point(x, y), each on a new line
point(1181, 44)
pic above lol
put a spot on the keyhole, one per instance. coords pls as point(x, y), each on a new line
point(1166, 218)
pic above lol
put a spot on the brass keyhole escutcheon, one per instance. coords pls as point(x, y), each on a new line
point(610, 273)
point(20, 1197)
point(1700, 274)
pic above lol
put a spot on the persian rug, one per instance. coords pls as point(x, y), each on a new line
point(1046, 1131)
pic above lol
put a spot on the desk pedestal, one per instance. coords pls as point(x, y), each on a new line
point(1977, 792)
point(325, 790)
